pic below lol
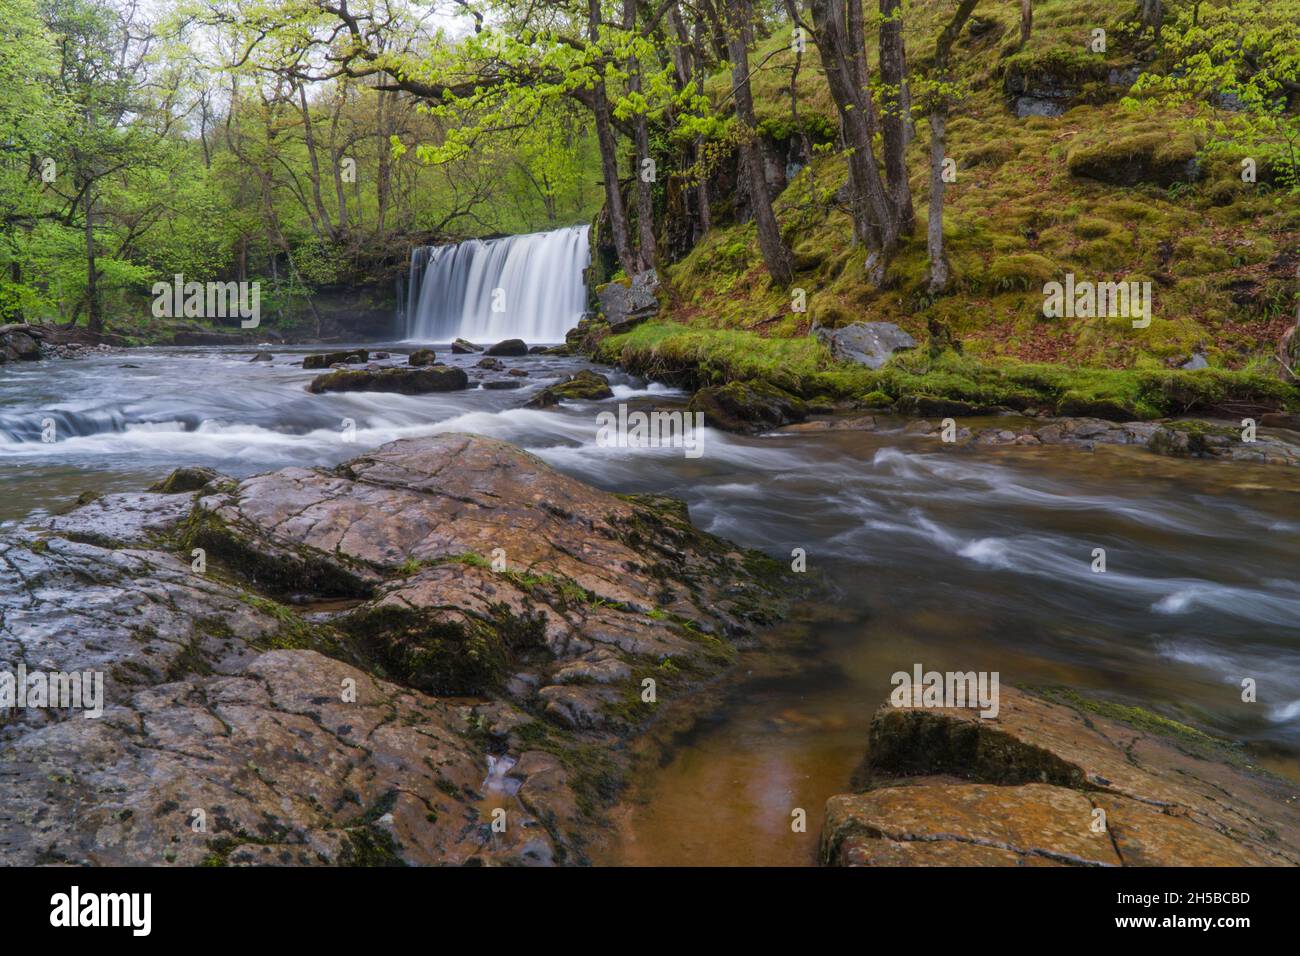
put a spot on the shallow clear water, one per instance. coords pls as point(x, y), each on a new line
point(957, 559)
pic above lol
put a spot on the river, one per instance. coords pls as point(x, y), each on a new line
point(954, 558)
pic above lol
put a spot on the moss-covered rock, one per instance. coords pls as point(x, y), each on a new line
point(326, 359)
point(185, 479)
point(404, 381)
point(583, 386)
point(1155, 157)
point(749, 407)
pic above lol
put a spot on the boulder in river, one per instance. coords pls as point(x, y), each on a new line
point(583, 386)
point(1063, 782)
point(868, 343)
point(262, 357)
point(19, 343)
point(749, 407)
point(325, 360)
point(405, 381)
point(508, 347)
point(320, 738)
point(422, 357)
point(491, 364)
point(462, 347)
point(198, 337)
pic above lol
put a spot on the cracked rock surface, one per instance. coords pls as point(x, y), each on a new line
point(1049, 784)
point(328, 688)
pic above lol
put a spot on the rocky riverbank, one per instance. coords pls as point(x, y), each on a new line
point(1262, 444)
point(1063, 782)
point(315, 666)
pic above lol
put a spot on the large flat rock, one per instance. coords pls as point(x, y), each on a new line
point(329, 685)
point(1029, 781)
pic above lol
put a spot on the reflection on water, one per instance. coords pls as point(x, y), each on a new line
point(957, 559)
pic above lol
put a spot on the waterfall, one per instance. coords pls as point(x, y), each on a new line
point(520, 287)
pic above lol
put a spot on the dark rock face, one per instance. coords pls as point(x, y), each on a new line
point(19, 343)
point(1050, 84)
point(584, 386)
point(201, 337)
point(586, 335)
point(949, 788)
point(318, 738)
point(1177, 439)
point(868, 343)
point(461, 347)
point(185, 479)
point(626, 303)
point(422, 357)
point(405, 381)
point(327, 359)
point(508, 347)
point(747, 407)
point(1154, 157)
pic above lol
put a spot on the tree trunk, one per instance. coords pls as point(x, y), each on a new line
point(1026, 20)
point(894, 110)
point(775, 255)
point(384, 160)
point(325, 227)
point(645, 209)
point(1152, 14)
point(940, 274)
point(598, 102)
point(702, 190)
point(94, 315)
point(843, 54)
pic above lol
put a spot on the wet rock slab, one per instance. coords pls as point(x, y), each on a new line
point(1033, 785)
point(328, 689)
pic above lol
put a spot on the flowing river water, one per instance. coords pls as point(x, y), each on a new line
point(956, 559)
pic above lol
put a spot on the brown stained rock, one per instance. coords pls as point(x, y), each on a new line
point(859, 851)
point(285, 771)
point(1031, 821)
point(456, 496)
point(221, 699)
point(1171, 798)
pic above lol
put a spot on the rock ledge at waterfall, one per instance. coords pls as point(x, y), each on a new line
point(1052, 783)
point(328, 688)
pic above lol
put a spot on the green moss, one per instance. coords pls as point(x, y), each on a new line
point(1138, 717)
point(803, 366)
point(1023, 271)
point(438, 653)
point(281, 569)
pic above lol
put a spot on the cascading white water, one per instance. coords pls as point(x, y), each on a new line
point(526, 287)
